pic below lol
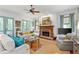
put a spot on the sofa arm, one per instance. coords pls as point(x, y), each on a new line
point(26, 46)
point(23, 49)
point(68, 41)
point(4, 52)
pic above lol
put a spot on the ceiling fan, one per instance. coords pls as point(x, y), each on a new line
point(32, 10)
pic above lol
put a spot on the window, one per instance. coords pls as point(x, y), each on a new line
point(27, 25)
point(37, 25)
point(67, 22)
point(9, 26)
point(1, 24)
point(6, 25)
point(23, 25)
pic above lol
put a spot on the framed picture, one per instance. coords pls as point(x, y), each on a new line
point(17, 23)
point(46, 21)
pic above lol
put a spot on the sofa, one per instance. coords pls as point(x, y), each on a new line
point(24, 49)
point(63, 44)
point(7, 46)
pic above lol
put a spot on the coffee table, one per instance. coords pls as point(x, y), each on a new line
point(33, 43)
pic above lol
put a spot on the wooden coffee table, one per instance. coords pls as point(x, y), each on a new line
point(34, 44)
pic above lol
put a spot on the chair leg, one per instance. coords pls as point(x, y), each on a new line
point(71, 51)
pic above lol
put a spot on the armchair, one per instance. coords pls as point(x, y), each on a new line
point(64, 44)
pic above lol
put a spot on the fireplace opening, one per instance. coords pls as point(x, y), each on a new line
point(45, 34)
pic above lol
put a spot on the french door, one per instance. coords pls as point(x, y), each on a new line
point(7, 25)
point(27, 25)
point(1, 25)
point(24, 26)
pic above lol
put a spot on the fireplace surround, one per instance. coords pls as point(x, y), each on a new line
point(46, 32)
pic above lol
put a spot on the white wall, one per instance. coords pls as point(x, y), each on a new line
point(10, 14)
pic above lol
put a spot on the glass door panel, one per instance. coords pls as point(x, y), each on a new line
point(9, 26)
point(28, 25)
point(24, 26)
point(1, 25)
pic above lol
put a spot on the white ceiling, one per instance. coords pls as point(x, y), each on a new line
point(41, 8)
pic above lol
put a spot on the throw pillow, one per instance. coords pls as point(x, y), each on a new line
point(68, 36)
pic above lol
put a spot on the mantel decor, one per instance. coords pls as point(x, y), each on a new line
point(46, 21)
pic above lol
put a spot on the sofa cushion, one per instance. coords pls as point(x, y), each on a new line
point(7, 42)
point(61, 36)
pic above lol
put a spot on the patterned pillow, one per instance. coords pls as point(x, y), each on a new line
point(68, 36)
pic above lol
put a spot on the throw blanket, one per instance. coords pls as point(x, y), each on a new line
point(18, 40)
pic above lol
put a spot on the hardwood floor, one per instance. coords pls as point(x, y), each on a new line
point(48, 47)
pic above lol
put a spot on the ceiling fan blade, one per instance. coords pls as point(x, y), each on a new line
point(27, 11)
point(32, 10)
point(33, 13)
point(36, 11)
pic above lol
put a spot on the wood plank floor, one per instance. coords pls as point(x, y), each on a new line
point(48, 47)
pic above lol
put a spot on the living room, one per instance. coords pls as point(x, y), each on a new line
point(39, 29)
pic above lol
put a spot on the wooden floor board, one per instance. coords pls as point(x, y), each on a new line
point(48, 47)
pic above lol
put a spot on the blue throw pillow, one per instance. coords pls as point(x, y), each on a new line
point(18, 40)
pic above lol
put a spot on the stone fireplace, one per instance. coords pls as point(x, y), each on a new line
point(46, 28)
point(46, 32)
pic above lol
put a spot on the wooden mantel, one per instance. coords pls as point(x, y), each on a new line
point(48, 29)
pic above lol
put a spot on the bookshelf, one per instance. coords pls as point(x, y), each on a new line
point(17, 26)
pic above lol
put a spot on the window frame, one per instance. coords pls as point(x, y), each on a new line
point(67, 24)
